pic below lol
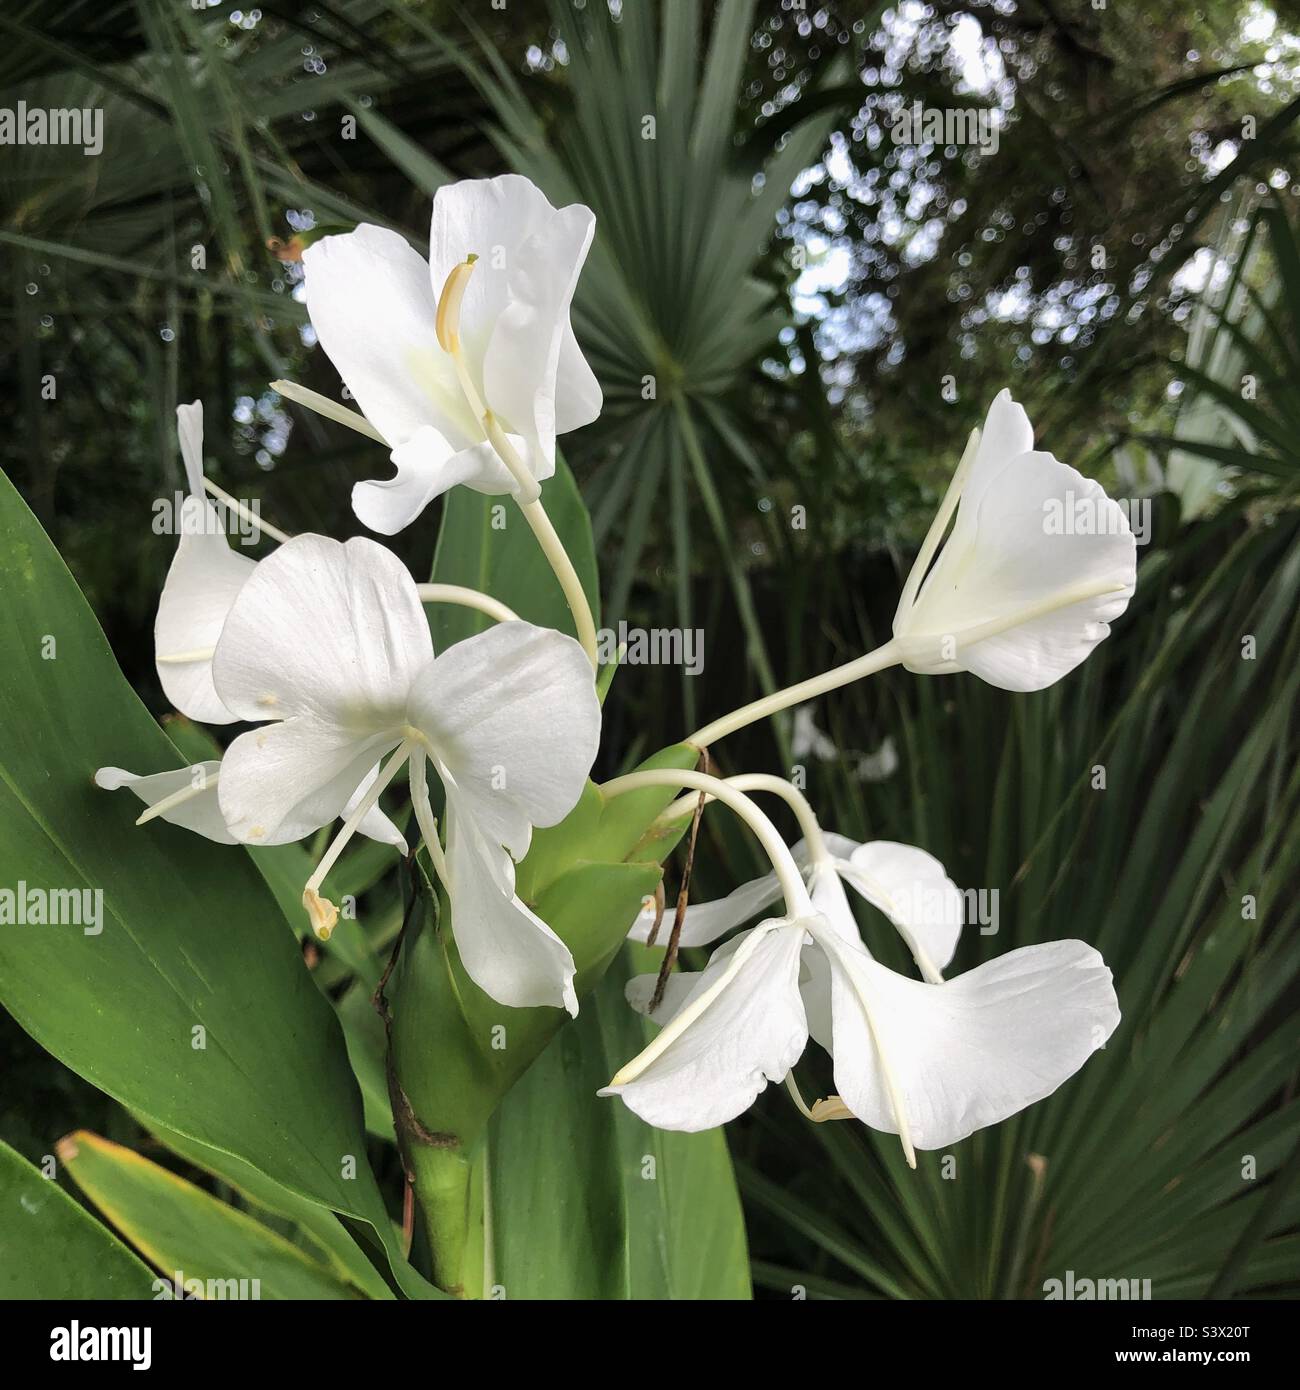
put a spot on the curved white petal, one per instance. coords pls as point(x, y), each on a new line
point(1006, 435)
point(838, 846)
point(828, 897)
point(426, 467)
point(705, 922)
point(375, 313)
point(523, 380)
point(375, 824)
point(753, 1032)
point(639, 991)
point(506, 948)
point(970, 1052)
point(204, 578)
point(282, 781)
point(508, 222)
point(189, 431)
point(578, 397)
point(512, 715)
point(490, 219)
point(327, 629)
point(199, 812)
point(914, 891)
point(1011, 565)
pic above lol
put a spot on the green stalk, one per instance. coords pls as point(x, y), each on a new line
point(442, 1181)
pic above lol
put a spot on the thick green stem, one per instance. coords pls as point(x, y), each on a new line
point(442, 1180)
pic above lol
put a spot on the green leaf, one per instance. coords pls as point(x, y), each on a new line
point(182, 1230)
point(485, 543)
point(647, 1214)
point(326, 1233)
point(191, 1005)
point(51, 1248)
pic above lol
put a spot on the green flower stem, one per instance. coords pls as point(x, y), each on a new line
point(442, 1177)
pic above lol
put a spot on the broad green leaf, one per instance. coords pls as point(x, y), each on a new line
point(186, 1234)
point(326, 1232)
point(190, 1004)
point(647, 1214)
point(485, 543)
point(51, 1248)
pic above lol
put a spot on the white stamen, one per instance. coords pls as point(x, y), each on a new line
point(331, 410)
point(176, 798)
point(322, 912)
point(424, 818)
point(247, 513)
point(797, 1096)
point(1063, 598)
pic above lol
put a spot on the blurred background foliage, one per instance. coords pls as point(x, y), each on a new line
point(796, 320)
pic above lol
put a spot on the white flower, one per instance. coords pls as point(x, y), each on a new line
point(908, 885)
point(806, 738)
point(879, 766)
point(187, 796)
point(374, 303)
point(205, 575)
point(929, 1062)
point(1014, 597)
point(330, 641)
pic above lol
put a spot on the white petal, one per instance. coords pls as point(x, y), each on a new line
point(199, 812)
point(506, 948)
point(507, 222)
point(522, 376)
point(578, 397)
point(1011, 560)
point(513, 716)
point(752, 1033)
point(327, 629)
point(914, 891)
point(374, 825)
point(807, 738)
point(205, 576)
point(839, 846)
point(679, 986)
point(1006, 435)
point(705, 922)
point(972, 1051)
point(426, 467)
point(282, 781)
point(189, 431)
point(375, 314)
point(880, 765)
point(490, 219)
point(829, 898)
